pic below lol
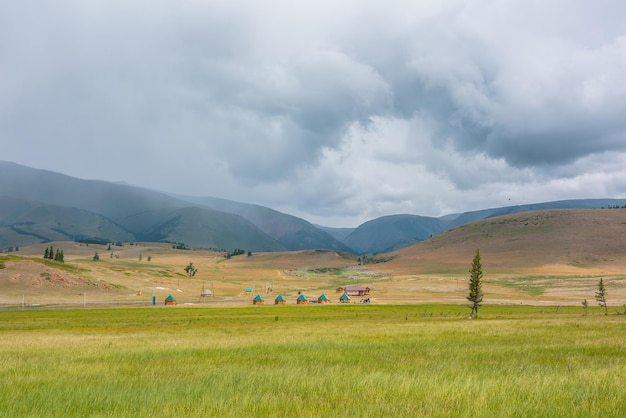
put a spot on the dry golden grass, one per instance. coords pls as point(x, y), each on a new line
point(551, 257)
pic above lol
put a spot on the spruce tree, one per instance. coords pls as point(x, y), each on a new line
point(475, 285)
point(45, 254)
point(601, 296)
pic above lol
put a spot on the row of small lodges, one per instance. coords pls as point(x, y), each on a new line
point(301, 300)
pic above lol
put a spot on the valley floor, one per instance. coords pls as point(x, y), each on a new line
point(135, 274)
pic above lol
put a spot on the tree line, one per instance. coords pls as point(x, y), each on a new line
point(49, 254)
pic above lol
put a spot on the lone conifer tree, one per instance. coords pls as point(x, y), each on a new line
point(475, 284)
point(601, 296)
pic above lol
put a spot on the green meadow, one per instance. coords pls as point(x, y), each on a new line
point(355, 360)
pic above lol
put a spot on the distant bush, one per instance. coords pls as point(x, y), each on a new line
point(236, 251)
point(92, 240)
point(180, 246)
point(367, 259)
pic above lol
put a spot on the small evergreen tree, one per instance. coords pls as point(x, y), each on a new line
point(96, 257)
point(475, 285)
point(601, 296)
point(45, 254)
point(191, 270)
point(51, 253)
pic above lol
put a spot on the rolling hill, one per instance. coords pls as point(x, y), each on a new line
point(389, 233)
point(567, 240)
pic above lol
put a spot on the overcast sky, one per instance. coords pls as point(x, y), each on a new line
point(334, 111)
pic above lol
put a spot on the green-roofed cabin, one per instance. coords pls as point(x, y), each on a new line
point(249, 289)
point(258, 300)
point(323, 299)
point(170, 300)
point(302, 300)
point(344, 298)
point(280, 300)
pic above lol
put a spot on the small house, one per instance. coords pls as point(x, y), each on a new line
point(357, 290)
point(344, 298)
point(258, 300)
point(249, 290)
point(280, 300)
point(302, 300)
point(323, 299)
point(170, 300)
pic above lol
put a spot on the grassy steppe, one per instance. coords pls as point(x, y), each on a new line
point(355, 360)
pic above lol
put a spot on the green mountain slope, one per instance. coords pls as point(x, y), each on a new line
point(292, 232)
point(200, 228)
point(25, 222)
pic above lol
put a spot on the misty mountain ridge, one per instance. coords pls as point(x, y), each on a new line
point(39, 206)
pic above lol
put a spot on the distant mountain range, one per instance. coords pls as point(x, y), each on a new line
point(39, 206)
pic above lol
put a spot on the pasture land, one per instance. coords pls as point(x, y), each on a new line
point(353, 360)
point(124, 276)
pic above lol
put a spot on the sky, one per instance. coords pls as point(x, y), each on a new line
point(334, 111)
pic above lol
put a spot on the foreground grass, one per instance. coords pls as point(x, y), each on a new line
point(312, 361)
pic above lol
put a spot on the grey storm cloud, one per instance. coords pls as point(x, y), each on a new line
point(282, 99)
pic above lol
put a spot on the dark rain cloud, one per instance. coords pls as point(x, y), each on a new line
point(269, 99)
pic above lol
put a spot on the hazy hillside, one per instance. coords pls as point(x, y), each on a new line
point(392, 232)
point(107, 199)
point(340, 234)
point(25, 223)
point(574, 238)
point(149, 214)
point(292, 232)
point(200, 228)
point(39, 205)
